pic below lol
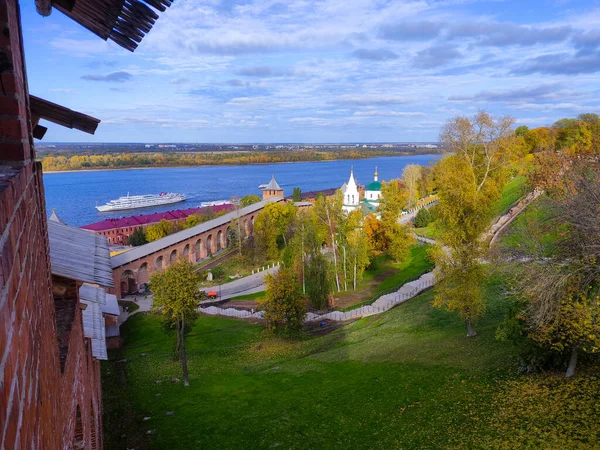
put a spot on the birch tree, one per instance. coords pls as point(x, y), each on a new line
point(411, 177)
point(328, 212)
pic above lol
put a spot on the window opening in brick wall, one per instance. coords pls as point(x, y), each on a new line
point(78, 442)
point(65, 305)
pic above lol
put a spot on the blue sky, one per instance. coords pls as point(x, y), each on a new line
point(320, 71)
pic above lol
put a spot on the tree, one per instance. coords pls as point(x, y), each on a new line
point(468, 182)
point(234, 236)
point(303, 245)
point(284, 304)
point(522, 130)
point(137, 238)
point(265, 236)
point(399, 240)
point(411, 176)
point(374, 232)
point(175, 290)
point(394, 196)
point(561, 281)
point(248, 200)
point(273, 223)
point(319, 285)
point(358, 251)
point(396, 237)
point(297, 195)
point(540, 139)
point(575, 327)
point(160, 230)
point(192, 220)
point(426, 183)
point(423, 218)
point(328, 213)
point(461, 288)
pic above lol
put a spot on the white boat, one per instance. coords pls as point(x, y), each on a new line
point(141, 201)
point(215, 203)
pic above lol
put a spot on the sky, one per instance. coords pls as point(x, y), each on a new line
point(259, 71)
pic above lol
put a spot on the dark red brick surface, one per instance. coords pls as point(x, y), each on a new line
point(38, 401)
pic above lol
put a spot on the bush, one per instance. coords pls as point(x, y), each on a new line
point(434, 211)
point(217, 272)
point(533, 357)
point(423, 218)
point(137, 238)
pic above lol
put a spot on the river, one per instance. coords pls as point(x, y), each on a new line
point(74, 194)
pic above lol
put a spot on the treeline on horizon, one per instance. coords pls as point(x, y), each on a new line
point(58, 162)
point(584, 130)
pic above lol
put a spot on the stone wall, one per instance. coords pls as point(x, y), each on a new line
point(128, 277)
point(41, 405)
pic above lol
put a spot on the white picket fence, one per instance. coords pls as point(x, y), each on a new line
point(382, 304)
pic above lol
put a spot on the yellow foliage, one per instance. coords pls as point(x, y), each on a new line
point(545, 411)
point(160, 230)
point(175, 289)
point(576, 324)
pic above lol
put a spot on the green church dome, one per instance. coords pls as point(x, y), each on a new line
point(374, 186)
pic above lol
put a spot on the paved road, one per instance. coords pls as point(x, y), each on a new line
point(247, 285)
point(410, 216)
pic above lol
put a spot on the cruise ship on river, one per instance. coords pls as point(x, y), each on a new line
point(141, 201)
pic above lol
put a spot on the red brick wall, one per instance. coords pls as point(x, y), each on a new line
point(141, 276)
point(38, 401)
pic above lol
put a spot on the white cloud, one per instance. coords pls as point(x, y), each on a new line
point(387, 69)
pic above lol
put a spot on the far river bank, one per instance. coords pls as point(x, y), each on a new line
point(74, 194)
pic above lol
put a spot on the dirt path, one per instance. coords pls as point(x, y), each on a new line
point(241, 304)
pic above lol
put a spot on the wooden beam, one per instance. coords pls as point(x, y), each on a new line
point(44, 7)
point(62, 116)
point(39, 132)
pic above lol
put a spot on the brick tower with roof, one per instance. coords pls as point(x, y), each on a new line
point(272, 189)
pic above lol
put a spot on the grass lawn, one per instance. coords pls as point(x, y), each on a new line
point(385, 274)
point(531, 228)
point(230, 267)
point(255, 296)
point(408, 378)
point(514, 190)
point(431, 231)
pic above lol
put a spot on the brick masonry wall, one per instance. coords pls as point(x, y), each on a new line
point(142, 269)
point(38, 401)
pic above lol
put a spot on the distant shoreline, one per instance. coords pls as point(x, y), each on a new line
point(226, 165)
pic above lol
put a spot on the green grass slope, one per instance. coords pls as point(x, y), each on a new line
point(405, 379)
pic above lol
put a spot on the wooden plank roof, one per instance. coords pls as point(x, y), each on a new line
point(79, 255)
point(61, 115)
point(93, 322)
point(107, 302)
point(125, 22)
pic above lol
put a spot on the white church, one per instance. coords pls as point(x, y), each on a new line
point(352, 199)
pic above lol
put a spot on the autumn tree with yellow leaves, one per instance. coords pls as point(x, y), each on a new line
point(561, 282)
point(397, 238)
point(468, 182)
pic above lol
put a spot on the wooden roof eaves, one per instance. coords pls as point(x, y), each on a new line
point(125, 22)
point(62, 115)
